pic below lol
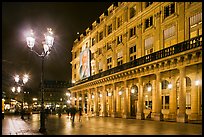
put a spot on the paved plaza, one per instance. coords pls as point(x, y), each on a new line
point(13, 125)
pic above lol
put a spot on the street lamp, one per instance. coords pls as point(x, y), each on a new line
point(20, 83)
point(47, 45)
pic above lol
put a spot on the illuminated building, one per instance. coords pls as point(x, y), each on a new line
point(145, 62)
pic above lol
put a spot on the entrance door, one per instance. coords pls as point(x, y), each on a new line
point(133, 101)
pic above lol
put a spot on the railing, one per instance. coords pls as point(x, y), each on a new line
point(177, 48)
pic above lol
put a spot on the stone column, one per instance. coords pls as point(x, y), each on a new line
point(89, 103)
point(77, 101)
point(182, 117)
point(140, 114)
point(83, 103)
point(96, 102)
point(103, 102)
point(125, 114)
point(73, 99)
point(157, 115)
point(114, 101)
point(172, 101)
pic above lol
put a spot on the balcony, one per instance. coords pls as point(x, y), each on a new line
point(166, 52)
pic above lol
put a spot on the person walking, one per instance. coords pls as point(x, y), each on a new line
point(73, 113)
point(80, 114)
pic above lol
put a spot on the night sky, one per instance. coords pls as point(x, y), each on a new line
point(65, 18)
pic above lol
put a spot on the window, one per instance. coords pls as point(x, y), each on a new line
point(132, 49)
point(109, 62)
point(196, 19)
point(74, 76)
point(148, 45)
point(169, 10)
point(120, 58)
point(132, 11)
point(75, 66)
point(147, 4)
point(149, 22)
point(119, 21)
point(109, 29)
point(101, 35)
point(93, 41)
point(99, 51)
point(170, 32)
point(100, 67)
point(165, 102)
point(132, 57)
point(132, 31)
point(119, 39)
point(108, 46)
point(165, 84)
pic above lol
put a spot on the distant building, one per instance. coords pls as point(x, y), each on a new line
point(144, 62)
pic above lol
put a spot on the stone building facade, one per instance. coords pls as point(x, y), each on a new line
point(145, 62)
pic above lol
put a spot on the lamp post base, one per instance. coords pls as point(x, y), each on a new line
point(42, 130)
point(42, 122)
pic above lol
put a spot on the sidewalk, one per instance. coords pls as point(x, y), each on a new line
point(14, 125)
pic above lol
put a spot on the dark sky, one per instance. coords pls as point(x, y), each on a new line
point(65, 18)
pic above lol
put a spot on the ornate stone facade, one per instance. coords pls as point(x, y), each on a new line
point(146, 62)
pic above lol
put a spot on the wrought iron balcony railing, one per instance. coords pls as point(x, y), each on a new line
point(172, 50)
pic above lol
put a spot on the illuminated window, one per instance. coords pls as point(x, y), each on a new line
point(148, 22)
point(149, 45)
point(109, 29)
point(119, 21)
point(148, 96)
point(108, 46)
point(101, 35)
point(170, 32)
point(132, 49)
point(196, 19)
point(165, 102)
point(120, 58)
point(119, 39)
point(93, 41)
point(147, 4)
point(169, 10)
point(132, 11)
point(132, 31)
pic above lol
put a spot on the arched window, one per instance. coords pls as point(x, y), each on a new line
point(165, 84)
point(165, 94)
point(148, 96)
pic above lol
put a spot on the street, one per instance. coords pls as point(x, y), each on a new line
point(13, 125)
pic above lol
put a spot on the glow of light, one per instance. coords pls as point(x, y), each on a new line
point(132, 90)
point(73, 81)
point(79, 98)
point(149, 88)
point(68, 94)
point(197, 82)
point(169, 86)
point(120, 92)
point(30, 40)
point(75, 99)
point(68, 101)
point(13, 89)
point(16, 78)
point(19, 89)
point(92, 96)
point(100, 95)
point(109, 94)
point(25, 78)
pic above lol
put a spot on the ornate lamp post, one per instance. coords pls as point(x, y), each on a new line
point(47, 45)
point(20, 83)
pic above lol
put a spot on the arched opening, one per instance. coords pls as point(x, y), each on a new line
point(165, 94)
point(133, 100)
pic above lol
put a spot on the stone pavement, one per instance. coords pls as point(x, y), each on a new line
point(13, 125)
